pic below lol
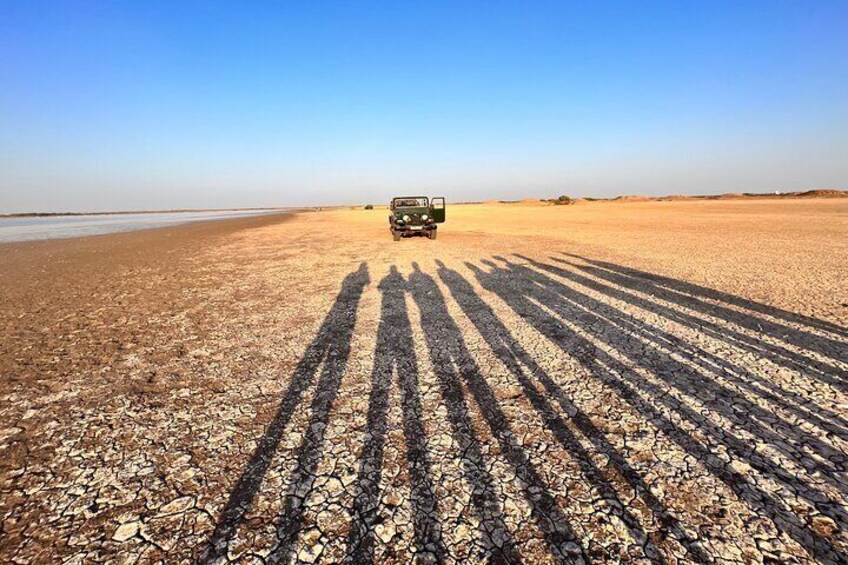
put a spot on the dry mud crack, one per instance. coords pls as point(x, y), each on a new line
point(263, 391)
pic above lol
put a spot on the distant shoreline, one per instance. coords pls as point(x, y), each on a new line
point(128, 212)
point(53, 226)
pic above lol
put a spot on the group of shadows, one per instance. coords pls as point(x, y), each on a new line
point(567, 317)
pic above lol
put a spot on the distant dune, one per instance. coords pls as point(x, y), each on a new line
point(626, 198)
point(824, 193)
point(632, 198)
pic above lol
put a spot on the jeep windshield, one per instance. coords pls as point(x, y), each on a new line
point(410, 202)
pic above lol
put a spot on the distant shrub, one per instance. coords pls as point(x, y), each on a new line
point(369, 206)
point(563, 201)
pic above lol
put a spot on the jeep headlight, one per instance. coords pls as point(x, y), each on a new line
point(424, 217)
point(405, 218)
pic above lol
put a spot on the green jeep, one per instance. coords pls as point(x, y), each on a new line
point(416, 215)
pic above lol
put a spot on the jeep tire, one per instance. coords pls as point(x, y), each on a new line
point(396, 235)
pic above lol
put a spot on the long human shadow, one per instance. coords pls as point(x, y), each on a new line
point(797, 404)
point(617, 330)
point(330, 347)
point(745, 414)
point(522, 291)
point(678, 292)
point(524, 367)
point(722, 297)
point(453, 363)
point(488, 511)
point(394, 354)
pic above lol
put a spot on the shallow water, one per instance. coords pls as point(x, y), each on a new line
point(56, 227)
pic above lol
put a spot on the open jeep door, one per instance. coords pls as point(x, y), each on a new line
point(437, 209)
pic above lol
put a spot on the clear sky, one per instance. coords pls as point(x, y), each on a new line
point(156, 105)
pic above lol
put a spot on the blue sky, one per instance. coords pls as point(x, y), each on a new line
point(156, 105)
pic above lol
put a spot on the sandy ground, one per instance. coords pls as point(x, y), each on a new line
point(635, 382)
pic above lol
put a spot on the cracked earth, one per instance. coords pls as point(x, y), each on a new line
point(645, 382)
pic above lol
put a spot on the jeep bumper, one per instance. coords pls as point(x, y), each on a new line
point(414, 228)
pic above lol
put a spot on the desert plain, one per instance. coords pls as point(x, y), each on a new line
point(636, 382)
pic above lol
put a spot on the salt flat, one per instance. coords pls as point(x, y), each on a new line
point(643, 381)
